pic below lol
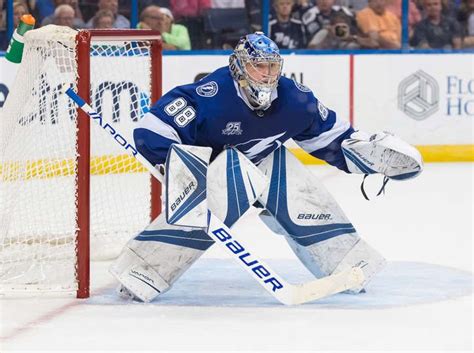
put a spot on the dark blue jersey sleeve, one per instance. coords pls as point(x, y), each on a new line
point(323, 138)
point(173, 119)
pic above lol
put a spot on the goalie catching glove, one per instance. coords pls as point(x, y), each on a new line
point(381, 153)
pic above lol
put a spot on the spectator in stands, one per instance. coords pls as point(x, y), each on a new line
point(150, 18)
point(285, 31)
point(436, 30)
point(175, 36)
point(337, 35)
point(64, 16)
point(189, 14)
point(300, 7)
point(77, 22)
point(414, 15)
point(103, 19)
point(382, 27)
point(449, 7)
point(19, 9)
point(319, 17)
point(112, 5)
point(466, 19)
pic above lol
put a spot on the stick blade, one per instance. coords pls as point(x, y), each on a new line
point(329, 285)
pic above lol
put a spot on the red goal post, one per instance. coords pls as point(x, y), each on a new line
point(84, 39)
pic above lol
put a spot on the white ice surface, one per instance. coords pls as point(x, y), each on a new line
point(421, 301)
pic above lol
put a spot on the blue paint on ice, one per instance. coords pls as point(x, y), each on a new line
point(220, 282)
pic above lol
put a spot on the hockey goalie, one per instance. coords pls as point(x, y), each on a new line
point(219, 143)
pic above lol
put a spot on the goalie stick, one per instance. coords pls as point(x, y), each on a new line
point(230, 241)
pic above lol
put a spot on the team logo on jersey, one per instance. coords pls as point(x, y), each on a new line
point(208, 89)
point(256, 147)
point(232, 128)
point(323, 111)
point(301, 87)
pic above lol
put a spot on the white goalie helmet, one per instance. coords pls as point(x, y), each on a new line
point(256, 65)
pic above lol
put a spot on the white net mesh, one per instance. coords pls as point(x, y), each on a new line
point(38, 152)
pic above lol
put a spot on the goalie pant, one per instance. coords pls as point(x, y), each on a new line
point(296, 205)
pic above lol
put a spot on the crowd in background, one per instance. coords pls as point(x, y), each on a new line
point(371, 24)
point(293, 24)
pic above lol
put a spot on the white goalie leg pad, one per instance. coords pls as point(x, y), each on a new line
point(322, 258)
point(382, 153)
point(340, 253)
point(164, 252)
point(272, 224)
point(325, 257)
point(234, 184)
point(227, 187)
point(186, 179)
point(316, 228)
point(138, 276)
point(365, 257)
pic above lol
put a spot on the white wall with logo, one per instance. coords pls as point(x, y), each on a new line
point(425, 99)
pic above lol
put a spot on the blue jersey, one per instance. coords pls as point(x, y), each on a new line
point(213, 113)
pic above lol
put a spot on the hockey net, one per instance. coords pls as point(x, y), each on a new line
point(44, 199)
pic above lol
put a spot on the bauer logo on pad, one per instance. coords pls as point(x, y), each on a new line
point(186, 179)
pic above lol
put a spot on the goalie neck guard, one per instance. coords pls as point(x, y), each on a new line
point(256, 65)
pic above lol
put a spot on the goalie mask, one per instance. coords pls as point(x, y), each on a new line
point(256, 65)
